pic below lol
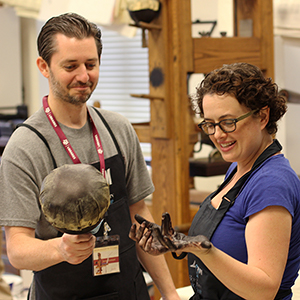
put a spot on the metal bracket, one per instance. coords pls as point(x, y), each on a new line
point(206, 33)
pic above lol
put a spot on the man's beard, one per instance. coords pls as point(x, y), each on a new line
point(60, 93)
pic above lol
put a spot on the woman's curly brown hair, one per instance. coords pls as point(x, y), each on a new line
point(248, 85)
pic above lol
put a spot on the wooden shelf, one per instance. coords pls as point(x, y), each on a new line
point(143, 131)
point(145, 25)
point(145, 96)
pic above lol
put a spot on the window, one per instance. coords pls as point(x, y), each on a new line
point(124, 71)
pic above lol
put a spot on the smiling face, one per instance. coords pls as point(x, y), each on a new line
point(249, 139)
point(74, 69)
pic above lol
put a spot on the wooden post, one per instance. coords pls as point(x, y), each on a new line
point(170, 60)
point(261, 13)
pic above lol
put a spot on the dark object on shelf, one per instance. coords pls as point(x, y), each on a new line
point(208, 166)
point(22, 113)
point(144, 15)
point(8, 123)
point(204, 140)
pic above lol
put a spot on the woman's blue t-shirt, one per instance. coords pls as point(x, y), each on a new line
point(273, 183)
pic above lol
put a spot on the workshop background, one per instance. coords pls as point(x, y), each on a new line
point(126, 72)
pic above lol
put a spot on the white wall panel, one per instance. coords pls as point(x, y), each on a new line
point(10, 58)
point(124, 71)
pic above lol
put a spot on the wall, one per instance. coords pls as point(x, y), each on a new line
point(35, 85)
point(213, 10)
point(10, 59)
point(287, 74)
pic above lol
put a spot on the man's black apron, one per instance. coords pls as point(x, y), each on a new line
point(76, 282)
point(205, 284)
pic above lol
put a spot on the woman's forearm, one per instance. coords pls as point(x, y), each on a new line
point(248, 282)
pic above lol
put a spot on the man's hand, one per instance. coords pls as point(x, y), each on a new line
point(158, 240)
point(76, 248)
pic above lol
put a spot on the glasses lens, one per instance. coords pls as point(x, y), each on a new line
point(208, 128)
point(228, 125)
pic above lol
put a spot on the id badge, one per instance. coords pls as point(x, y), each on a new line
point(106, 255)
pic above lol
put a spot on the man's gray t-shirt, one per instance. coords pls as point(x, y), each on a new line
point(26, 161)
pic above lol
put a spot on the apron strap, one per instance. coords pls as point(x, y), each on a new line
point(109, 130)
point(282, 294)
point(42, 138)
point(268, 152)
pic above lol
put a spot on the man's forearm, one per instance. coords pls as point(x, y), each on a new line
point(26, 252)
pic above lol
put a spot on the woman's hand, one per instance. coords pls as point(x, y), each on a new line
point(157, 240)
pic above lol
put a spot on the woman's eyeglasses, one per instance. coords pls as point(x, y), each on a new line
point(226, 125)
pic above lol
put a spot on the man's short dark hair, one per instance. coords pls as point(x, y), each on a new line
point(70, 25)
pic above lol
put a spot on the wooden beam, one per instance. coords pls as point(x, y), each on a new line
point(170, 52)
point(267, 37)
point(261, 13)
point(211, 53)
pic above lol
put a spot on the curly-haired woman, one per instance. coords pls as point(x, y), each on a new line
point(252, 220)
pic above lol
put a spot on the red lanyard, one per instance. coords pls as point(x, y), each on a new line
point(65, 142)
